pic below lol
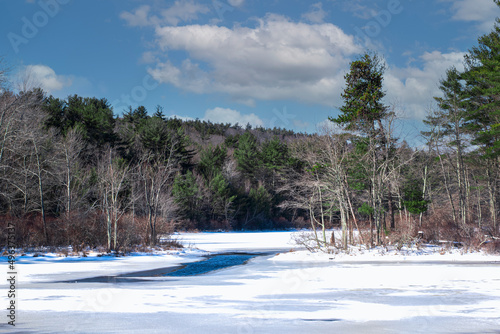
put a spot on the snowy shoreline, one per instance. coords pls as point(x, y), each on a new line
point(296, 291)
point(50, 265)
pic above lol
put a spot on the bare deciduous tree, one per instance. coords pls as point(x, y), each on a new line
point(69, 150)
point(156, 176)
point(113, 173)
point(32, 154)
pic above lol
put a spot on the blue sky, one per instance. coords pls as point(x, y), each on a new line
point(270, 63)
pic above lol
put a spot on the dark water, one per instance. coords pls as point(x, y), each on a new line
point(210, 264)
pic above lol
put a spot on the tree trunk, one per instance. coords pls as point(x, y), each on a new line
point(42, 205)
point(492, 195)
point(461, 195)
point(68, 181)
point(424, 189)
point(468, 209)
point(108, 222)
point(354, 216)
point(390, 204)
point(323, 227)
point(343, 221)
point(448, 192)
point(479, 210)
point(311, 214)
point(41, 191)
point(115, 241)
point(371, 231)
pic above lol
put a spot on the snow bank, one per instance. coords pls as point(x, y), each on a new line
point(52, 266)
point(239, 241)
point(424, 253)
point(366, 291)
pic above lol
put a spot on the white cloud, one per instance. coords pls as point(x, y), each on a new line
point(139, 18)
point(300, 124)
point(414, 87)
point(184, 118)
point(360, 10)
point(246, 102)
point(278, 59)
point(183, 11)
point(236, 3)
point(44, 77)
point(328, 127)
point(148, 57)
point(188, 76)
point(180, 11)
point(224, 115)
point(316, 14)
point(483, 12)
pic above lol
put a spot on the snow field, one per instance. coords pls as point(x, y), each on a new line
point(411, 291)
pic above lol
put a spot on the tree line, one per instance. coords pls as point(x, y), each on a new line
point(74, 173)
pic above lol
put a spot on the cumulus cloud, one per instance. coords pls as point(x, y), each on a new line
point(326, 126)
point(299, 124)
point(184, 118)
point(277, 59)
point(415, 86)
point(236, 3)
point(359, 9)
point(483, 12)
point(44, 77)
point(316, 14)
point(148, 57)
point(183, 11)
point(139, 17)
point(224, 115)
point(180, 11)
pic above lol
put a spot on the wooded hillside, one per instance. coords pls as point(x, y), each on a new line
point(73, 172)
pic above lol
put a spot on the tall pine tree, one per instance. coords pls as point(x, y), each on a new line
point(482, 78)
point(363, 112)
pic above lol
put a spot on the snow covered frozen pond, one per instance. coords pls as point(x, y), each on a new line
point(292, 292)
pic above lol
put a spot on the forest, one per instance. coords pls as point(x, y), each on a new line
point(72, 172)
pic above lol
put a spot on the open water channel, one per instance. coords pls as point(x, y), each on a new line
point(209, 264)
